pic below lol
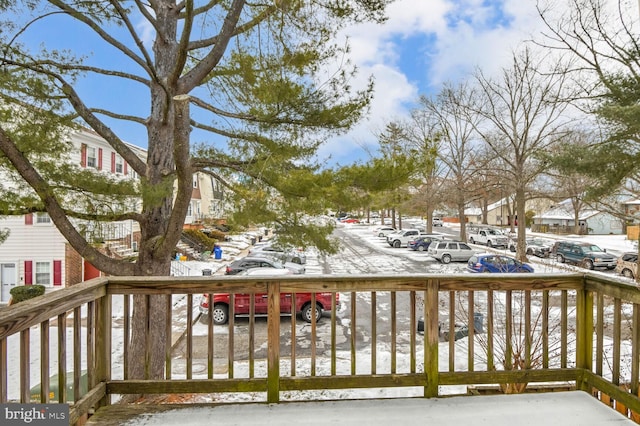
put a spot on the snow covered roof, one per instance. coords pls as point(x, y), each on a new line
point(565, 212)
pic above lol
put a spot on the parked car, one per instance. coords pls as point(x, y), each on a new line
point(349, 220)
point(496, 263)
point(402, 238)
point(265, 272)
point(242, 305)
point(436, 221)
point(448, 251)
point(583, 254)
point(422, 243)
point(535, 246)
point(627, 264)
point(283, 255)
point(261, 262)
point(383, 231)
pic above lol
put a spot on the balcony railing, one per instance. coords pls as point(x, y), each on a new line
point(507, 331)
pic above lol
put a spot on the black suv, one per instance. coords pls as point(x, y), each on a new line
point(583, 254)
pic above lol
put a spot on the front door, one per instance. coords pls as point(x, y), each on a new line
point(7, 280)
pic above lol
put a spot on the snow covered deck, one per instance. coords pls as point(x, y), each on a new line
point(574, 408)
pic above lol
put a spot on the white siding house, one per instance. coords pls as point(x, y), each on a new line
point(560, 219)
point(35, 252)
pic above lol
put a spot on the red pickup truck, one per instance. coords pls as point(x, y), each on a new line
point(242, 305)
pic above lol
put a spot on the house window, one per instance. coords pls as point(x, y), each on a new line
point(43, 218)
point(119, 164)
point(195, 181)
point(43, 273)
point(92, 158)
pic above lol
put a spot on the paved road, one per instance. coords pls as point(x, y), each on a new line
point(357, 256)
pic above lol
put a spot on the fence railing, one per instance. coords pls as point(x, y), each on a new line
point(425, 335)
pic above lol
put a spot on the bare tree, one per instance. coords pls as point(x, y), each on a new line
point(447, 112)
point(425, 140)
point(523, 113)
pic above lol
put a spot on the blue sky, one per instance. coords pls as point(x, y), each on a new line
point(423, 44)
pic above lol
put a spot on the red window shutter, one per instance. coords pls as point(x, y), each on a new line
point(28, 219)
point(57, 272)
point(126, 168)
point(83, 155)
point(28, 272)
point(99, 158)
point(113, 162)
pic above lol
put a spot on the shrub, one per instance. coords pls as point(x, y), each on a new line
point(26, 292)
point(202, 238)
point(215, 234)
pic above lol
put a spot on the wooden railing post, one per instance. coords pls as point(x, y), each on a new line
point(103, 344)
point(431, 338)
point(584, 332)
point(273, 342)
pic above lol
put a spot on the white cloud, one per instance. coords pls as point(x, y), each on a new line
point(465, 35)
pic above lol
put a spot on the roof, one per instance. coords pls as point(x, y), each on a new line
point(566, 212)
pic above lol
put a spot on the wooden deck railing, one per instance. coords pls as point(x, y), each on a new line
point(522, 329)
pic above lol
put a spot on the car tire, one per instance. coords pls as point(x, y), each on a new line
point(627, 273)
point(307, 313)
point(560, 258)
point(512, 249)
point(220, 314)
point(381, 235)
point(471, 241)
point(587, 264)
point(529, 252)
point(396, 244)
point(420, 248)
point(296, 260)
point(446, 258)
point(489, 243)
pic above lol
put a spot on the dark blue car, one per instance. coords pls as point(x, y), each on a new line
point(496, 263)
point(421, 243)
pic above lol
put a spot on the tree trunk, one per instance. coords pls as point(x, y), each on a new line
point(521, 246)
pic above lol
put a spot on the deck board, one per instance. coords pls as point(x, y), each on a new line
point(573, 408)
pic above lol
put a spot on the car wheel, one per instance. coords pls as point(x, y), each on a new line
point(512, 249)
point(560, 258)
point(381, 234)
point(587, 264)
point(489, 243)
point(297, 260)
point(627, 273)
point(396, 244)
point(307, 313)
point(220, 314)
point(446, 258)
point(471, 241)
point(420, 248)
point(529, 252)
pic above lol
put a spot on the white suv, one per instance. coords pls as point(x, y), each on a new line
point(436, 221)
point(402, 238)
